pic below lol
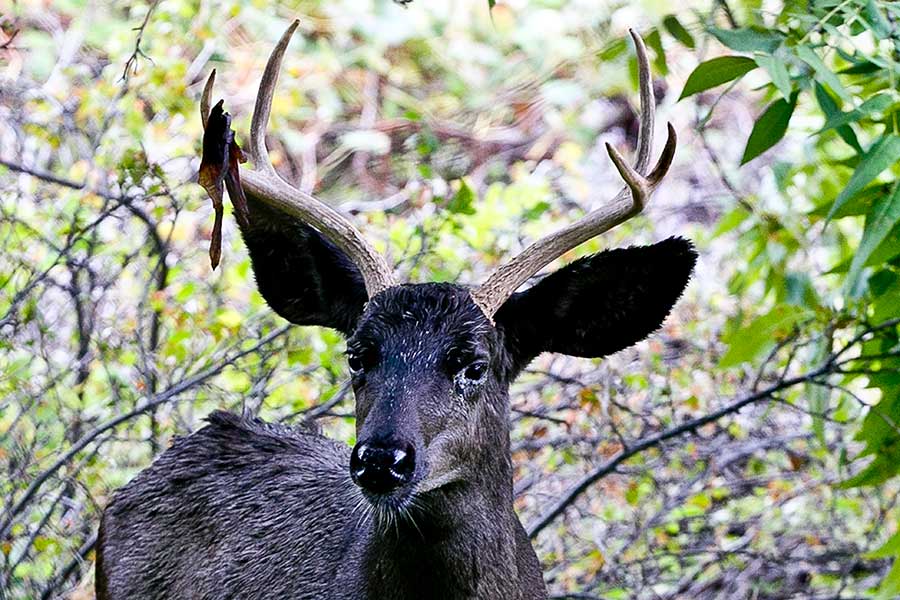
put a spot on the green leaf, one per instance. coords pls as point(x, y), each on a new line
point(654, 40)
point(677, 31)
point(769, 128)
point(885, 306)
point(876, 104)
point(883, 281)
point(818, 395)
point(877, 23)
point(860, 204)
point(879, 223)
point(536, 211)
point(884, 153)
point(877, 427)
point(613, 50)
point(748, 40)
point(731, 220)
point(778, 72)
point(885, 466)
point(825, 75)
point(748, 342)
point(715, 72)
point(861, 63)
point(888, 251)
point(463, 200)
point(831, 110)
point(890, 585)
point(890, 548)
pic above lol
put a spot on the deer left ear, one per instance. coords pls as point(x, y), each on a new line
point(599, 304)
point(304, 278)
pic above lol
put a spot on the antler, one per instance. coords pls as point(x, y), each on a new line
point(265, 184)
point(501, 284)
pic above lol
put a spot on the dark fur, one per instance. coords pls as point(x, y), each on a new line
point(302, 275)
point(598, 304)
point(242, 509)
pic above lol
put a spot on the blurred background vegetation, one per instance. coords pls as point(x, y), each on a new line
point(747, 450)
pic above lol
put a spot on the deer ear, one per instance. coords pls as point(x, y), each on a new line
point(304, 277)
point(597, 305)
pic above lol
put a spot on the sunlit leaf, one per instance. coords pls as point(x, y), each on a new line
point(825, 75)
point(883, 218)
point(831, 110)
point(749, 342)
point(678, 31)
point(884, 153)
point(890, 585)
point(769, 128)
point(889, 549)
point(835, 119)
point(879, 25)
point(884, 466)
point(749, 40)
point(715, 72)
point(463, 200)
point(777, 70)
point(654, 41)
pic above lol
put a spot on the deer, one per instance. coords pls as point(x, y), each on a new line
point(421, 507)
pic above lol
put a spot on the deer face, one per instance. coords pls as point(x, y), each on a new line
point(425, 367)
point(431, 363)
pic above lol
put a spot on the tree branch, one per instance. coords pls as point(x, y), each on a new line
point(161, 398)
point(608, 467)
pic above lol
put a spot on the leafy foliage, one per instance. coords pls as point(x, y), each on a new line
point(748, 449)
point(835, 62)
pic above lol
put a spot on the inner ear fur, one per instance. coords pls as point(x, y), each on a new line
point(304, 277)
point(598, 304)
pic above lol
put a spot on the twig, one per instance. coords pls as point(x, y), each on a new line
point(49, 177)
point(159, 399)
point(608, 467)
point(8, 42)
point(723, 4)
point(131, 63)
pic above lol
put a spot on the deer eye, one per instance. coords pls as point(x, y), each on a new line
point(475, 371)
point(355, 363)
point(360, 361)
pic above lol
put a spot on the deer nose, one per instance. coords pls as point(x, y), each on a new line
point(381, 467)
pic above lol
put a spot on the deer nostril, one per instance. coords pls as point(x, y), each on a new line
point(382, 467)
point(404, 462)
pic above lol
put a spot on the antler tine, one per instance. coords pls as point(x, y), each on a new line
point(259, 154)
point(648, 104)
point(642, 186)
point(206, 98)
point(501, 284)
point(264, 184)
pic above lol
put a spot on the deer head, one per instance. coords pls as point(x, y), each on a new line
point(431, 363)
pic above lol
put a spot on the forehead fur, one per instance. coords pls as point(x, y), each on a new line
point(440, 313)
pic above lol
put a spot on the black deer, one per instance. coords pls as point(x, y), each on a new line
point(422, 506)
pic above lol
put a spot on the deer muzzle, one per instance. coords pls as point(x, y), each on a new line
point(381, 467)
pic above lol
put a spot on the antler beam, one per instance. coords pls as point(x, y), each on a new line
point(630, 201)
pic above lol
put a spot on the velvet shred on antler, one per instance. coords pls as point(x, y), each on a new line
point(218, 169)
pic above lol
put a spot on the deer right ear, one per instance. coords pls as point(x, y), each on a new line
point(597, 305)
point(304, 277)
